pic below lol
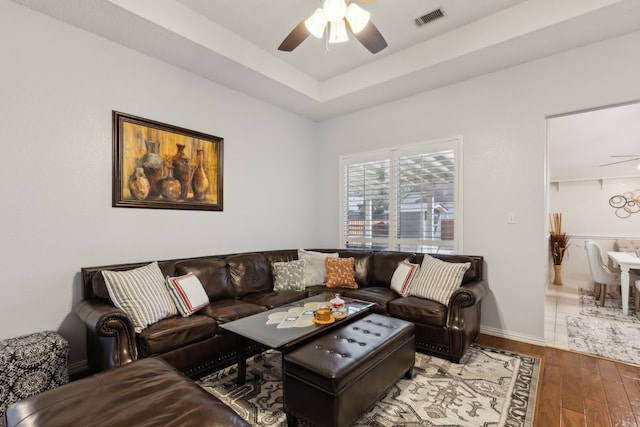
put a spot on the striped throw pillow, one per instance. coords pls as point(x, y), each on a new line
point(141, 293)
point(188, 294)
point(403, 276)
point(437, 280)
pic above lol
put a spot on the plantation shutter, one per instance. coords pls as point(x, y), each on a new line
point(402, 199)
point(366, 204)
point(425, 211)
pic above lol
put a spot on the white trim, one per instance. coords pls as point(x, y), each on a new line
point(501, 333)
point(78, 367)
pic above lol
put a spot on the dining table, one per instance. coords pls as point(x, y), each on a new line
point(626, 261)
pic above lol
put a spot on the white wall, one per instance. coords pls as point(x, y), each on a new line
point(501, 117)
point(58, 86)
point(586, 214)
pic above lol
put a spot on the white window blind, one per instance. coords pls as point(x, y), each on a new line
point(402, 199)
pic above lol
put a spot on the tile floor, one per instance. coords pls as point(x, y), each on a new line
point(560, 302)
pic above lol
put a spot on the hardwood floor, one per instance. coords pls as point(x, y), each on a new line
point(580, 390)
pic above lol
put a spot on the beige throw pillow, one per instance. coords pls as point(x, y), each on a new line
point(315, 270)
point(437, 280)
point(141, 293)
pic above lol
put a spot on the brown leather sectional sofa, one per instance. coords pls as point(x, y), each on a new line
point(241, 284)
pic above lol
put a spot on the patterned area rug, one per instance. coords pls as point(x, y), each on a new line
point(488, 388)
point(612, 309)
point(607, 338)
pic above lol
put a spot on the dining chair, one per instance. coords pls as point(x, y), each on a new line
point(601, 274)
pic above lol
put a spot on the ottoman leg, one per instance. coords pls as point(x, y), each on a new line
point(292, 421)
point(409, 374)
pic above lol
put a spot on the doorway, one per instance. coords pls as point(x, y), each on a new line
point(592, 156)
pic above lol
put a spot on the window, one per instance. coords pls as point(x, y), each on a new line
point(402, 199)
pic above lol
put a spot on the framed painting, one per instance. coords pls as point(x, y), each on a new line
point(160, 166)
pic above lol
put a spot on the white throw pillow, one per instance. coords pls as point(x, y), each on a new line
point(403, 276)
point(315, 268)
point(141, 293)
point(437, 280)
point(188, 293)
point(289, 275)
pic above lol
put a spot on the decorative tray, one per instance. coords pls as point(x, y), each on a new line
point(324, 322)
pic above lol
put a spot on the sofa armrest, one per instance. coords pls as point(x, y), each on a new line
point(468, 294)
point(111, 339)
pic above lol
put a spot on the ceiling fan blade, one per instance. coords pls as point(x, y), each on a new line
point(621, 161)
point(295, 37)
point(371, 38)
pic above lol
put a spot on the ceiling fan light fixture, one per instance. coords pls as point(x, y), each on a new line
point(316, 23)
point(358, 17)
point(334, 10)
point(338, 32)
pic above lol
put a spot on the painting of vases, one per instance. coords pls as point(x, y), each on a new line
point(157, 165)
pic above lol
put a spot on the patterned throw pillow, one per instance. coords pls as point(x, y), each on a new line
point(341, 273)
point(289, 276)
point(402, 277)
point(437, 280)
point(141, 293)
point(315, 270)
point(188, 293)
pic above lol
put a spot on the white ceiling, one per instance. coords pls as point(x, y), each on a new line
point(580, 144)
point(234, 43)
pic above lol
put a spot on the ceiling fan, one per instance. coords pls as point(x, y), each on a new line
point(332, 20)
point(633, 158)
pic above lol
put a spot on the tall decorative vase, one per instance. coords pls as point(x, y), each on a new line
point(557, 274)
point(152, 165)
point(181, 170)
point(200, 182)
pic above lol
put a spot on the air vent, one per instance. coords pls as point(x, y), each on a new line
point(429, 17)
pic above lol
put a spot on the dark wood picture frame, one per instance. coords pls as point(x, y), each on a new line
point(160, 166)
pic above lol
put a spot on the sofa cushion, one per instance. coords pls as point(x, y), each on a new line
point(418, 310)
point(281, 256)
point(213, 274)
point(437, 280)
point(403, 276)
point(289, 275)
point(362, 265)
point(341, 273)
point(475, 271)
point(227, 310)
point(141, 293)
point(249, 273)
point(380, 295)
point(188, 294)
point(384, 264)
point(272, 299)
point(175, 332)
point(315, 269)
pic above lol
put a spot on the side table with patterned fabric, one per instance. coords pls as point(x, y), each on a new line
point(31, 364)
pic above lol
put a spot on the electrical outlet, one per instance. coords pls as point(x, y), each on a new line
point(511, 218)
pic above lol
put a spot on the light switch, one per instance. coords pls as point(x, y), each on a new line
point(511, 218)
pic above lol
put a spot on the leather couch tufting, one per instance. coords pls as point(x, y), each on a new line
point(242, 284)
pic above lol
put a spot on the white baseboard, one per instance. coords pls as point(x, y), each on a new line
point(78, 367)
point(512, 336)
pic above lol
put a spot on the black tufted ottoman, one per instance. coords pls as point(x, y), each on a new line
point(333, 379)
